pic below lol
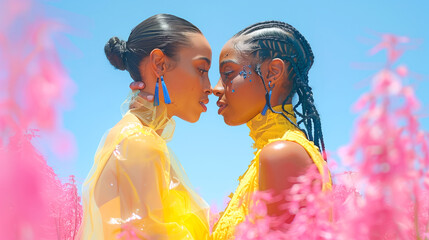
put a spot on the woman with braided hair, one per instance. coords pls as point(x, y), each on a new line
point(262, 67)
point(136, 188)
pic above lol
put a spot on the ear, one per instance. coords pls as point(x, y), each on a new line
point(158, 62)
point(276, 70)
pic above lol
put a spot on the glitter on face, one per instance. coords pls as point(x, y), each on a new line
point(244, 72)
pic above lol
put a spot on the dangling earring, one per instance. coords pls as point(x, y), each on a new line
point(165, 91)
point(167, 99)
point(156, 98)
point(268, 98)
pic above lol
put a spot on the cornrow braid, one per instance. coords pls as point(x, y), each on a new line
point(275, 39)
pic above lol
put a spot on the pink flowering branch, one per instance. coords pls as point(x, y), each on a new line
point(35, 203)
point(387, 195)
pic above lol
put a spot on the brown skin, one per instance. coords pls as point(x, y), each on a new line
point(280, 161)
point(188, 86)
point(186, 78)
point(248, 98)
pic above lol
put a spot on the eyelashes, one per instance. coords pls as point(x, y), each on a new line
point(227, 74)
point(202, 71)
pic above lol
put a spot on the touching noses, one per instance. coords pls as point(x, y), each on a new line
point(208, 91)
point(218, 90)
point(207, 88)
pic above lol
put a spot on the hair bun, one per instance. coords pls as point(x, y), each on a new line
point(115, 50)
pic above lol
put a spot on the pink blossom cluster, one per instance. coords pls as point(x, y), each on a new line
point(387, 194)
point(34, 203)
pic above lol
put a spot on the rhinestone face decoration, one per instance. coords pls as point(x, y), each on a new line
point(246, 72)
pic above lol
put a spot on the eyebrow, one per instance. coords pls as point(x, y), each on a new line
point(205, 59)
point(225, 62)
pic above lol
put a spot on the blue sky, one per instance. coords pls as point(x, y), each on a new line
point(213, 154)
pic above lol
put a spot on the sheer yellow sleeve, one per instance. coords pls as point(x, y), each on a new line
point(138, 189)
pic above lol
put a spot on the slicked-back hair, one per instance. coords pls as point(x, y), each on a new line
point(162, 31)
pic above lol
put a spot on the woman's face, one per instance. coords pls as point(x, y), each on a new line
point(188, 82)
point(240, 90)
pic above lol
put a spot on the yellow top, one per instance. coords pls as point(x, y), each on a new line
point(137, 188)
point(263, 129)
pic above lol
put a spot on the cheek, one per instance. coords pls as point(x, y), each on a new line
point(241, 91)
point(186, 83)
point(245, 99)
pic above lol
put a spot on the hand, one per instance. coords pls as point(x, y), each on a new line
point(140, 86)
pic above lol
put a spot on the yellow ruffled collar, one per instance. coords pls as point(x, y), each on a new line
point(271, 126)
point(150, 116)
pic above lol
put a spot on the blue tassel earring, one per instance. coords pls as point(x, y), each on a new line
point(267, 99)
point(165, 91)
point(167, 99)
point(156, 98)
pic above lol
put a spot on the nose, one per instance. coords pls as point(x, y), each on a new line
point(207, 88)
point(208, 91)
point(218, 90)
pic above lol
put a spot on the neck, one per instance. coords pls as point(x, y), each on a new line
point(271, 126)
point(278, 97)
point(153, 117)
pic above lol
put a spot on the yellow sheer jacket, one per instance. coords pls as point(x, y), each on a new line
point(264, 129)
point(136, 187)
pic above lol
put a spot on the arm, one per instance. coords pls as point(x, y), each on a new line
point(135, 178)
point(142, 169)
point(281, 162)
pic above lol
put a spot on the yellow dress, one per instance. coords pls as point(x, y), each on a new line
point(263, 130)
point(136, 188)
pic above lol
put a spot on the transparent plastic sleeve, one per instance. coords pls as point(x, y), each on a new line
point(136, 187)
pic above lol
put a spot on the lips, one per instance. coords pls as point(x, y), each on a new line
point(203, 106)
point(221, 106)
point(221, 109)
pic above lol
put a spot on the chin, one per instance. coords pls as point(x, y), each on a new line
point(231, 121)
point(192, 118)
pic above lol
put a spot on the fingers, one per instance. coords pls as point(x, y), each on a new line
point(146, 96)
point(137, 85)
point(140, 86)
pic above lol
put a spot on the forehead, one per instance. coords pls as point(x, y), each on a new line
point(198, 46)
point(229, 51)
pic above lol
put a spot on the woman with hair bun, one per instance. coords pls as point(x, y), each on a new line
point(136, 187)
point(262, 68)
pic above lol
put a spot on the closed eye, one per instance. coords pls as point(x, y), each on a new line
point(226, 74)
point(202, 71)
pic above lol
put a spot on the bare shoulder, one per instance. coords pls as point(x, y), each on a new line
point(284, 155)
point(280, 163)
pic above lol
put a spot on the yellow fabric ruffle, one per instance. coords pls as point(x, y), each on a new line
point(263, 130)
point(136, 187)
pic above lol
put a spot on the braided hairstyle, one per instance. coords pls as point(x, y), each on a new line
point(274, 39)
point(163, 31)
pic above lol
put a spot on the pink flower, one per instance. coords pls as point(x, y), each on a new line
point(36, 204)
point(387, 194)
